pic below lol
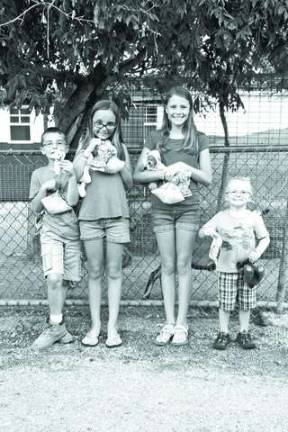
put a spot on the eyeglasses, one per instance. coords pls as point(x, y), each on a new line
point(235, 192)
point(100, 125)
point(51, 144)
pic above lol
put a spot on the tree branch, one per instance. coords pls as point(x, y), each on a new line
point(130, 63)
point(48, 6)
point(59, 75)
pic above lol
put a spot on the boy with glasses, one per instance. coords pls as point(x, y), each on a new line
point(53, 191)
point(243, 236)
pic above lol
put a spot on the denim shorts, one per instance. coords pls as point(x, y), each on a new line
point(61, 257)
point(179, 219)
point(116, 230)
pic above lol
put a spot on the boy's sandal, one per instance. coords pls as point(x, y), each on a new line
point(165, 335)
point(91, 339)
point(113, 341)
point(180, 335)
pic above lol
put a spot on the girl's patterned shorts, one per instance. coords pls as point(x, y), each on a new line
point(232, 289)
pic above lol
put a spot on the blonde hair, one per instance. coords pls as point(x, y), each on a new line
point(244, 180)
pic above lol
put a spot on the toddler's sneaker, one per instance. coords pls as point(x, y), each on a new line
point(244, 339)
point(222, 341)
point(52, 334)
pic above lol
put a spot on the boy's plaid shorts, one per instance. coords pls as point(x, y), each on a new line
point(231, 288)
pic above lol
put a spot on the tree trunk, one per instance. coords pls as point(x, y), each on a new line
point(283, 267)
point(77, 103)
point(226, 158)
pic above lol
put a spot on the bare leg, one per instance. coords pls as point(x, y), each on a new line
point(185, 243)
point(114, 255)
point(224, 317)
point(56, 293)
point(94, 252)
point(244, 318)
point(166, 245)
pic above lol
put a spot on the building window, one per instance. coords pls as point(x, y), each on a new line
point(152, 118)
point(20, 125)
point(150, 115)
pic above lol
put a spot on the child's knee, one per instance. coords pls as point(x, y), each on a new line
point(168, 267)
point(96, 272)
point(183, 265)
point(55, 280)
point(114, 271)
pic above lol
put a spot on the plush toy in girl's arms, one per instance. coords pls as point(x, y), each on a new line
point(103, 158)
point(176, 177)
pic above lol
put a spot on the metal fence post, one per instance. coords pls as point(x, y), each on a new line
point(283, 267)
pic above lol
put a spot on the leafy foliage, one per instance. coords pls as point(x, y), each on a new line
point(68, 52)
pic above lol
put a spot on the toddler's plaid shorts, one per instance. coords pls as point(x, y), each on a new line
point(232, 289)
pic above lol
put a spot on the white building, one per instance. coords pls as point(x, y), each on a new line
point(20, 129)
point(264, 121)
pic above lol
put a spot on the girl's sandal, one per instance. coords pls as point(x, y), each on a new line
point(180, 335)
point(91, 339)
point(113, 341)
point(165, 335)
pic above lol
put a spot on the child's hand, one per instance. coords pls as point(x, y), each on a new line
point(168, 174)
point(67, 167)
point(211, 232)
point(175, 179)
point(253, 256)
point(114, 165)
point(172, 176)
point(178, 169)
point(98, 165)
point(93, 143)
point(49, 185)
point(152, 186)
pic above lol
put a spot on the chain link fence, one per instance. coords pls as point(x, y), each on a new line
point(258, 149)
point(21, 273)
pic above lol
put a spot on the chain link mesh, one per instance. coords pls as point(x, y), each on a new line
point(21, 273)
point(263, 157)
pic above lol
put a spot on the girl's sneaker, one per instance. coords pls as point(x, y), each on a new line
point(165, 335)
point(222, 341)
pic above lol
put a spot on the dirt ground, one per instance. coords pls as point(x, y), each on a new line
point(138, 386)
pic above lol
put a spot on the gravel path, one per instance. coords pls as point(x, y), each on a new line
point(139, 387)
point(139, 397)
